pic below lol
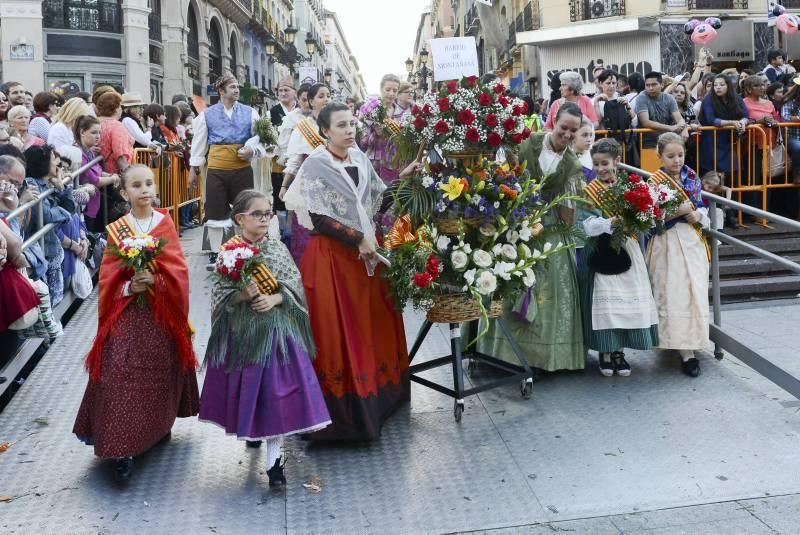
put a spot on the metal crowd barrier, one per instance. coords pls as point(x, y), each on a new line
point(723, 340)
point(26, 351)
point(172, 179)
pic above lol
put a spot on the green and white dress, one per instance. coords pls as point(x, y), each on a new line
point(546, 321)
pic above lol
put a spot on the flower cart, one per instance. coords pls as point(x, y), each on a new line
point(468, 235)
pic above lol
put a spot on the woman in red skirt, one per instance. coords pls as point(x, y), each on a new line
point(142, 364)
point(362, 360)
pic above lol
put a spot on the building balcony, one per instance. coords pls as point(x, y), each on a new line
point(706, 5)
point(790, 4)
point(472, 22)
point(528, 20)
point(83, 15)
point(581, 10)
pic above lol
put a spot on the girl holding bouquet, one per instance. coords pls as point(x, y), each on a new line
point(376, 143)
point(616, 299)
point(260, 383)
point(142, 364)
point(678, 262)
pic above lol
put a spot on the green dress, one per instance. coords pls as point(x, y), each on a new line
point(549, 328)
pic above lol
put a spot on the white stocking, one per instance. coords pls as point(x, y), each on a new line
point(215, 235)
point(686, 354)
point(273, 450)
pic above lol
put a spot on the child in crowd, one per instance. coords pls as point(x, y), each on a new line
point(260, 384)
point(142, 363)
point(582, 146)
point(678, 262)
point(616, 297)
point(712, 183)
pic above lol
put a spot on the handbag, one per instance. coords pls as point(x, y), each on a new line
point(777, 158)
point(82, 280)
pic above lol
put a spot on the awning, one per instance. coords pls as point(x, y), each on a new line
point(580, 31)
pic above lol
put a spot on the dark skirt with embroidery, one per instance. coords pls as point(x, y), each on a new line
point(362, 359)
point(142, 389)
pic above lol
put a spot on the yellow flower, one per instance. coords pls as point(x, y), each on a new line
point(453, 188)
point(132, 253)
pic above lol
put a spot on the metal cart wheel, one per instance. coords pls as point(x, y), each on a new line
point(526, 388)
point(458, 409)
point(472, 368)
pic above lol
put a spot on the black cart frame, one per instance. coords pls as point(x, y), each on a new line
point(523, 373)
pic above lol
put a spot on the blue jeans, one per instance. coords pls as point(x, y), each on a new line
point(793, 148)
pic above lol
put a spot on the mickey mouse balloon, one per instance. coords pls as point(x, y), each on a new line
point(702, 32)
point(786, 23)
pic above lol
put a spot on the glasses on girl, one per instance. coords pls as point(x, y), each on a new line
point(258, 214)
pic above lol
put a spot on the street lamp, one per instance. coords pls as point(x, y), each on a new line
point(291, 33)
point(269, 46)
point(328, 75)
point(419, 78)
point(340, 84)
point(410, 67)
point(311, 45)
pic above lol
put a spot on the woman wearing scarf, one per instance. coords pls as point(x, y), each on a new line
point(362, 360)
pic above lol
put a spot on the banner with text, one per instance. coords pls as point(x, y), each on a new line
point(454, 57)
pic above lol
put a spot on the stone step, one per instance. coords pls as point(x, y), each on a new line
point(780, 246)
point(753, 266)
point(761, 288)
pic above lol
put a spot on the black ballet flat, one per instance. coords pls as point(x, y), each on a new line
point(123, 469)
point(276, 475)
point(691, 367)
point(253, 443)
point(166, 438)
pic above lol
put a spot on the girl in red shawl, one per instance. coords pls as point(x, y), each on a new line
point(142, 364)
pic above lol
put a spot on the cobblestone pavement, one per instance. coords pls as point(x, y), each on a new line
point(653, 453)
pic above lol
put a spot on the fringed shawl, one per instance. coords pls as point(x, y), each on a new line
point(240, 336)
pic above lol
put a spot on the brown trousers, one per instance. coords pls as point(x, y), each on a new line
point(222, 187)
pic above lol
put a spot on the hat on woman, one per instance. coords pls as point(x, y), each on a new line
point(132, 99)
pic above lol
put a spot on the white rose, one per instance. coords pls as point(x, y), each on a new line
point(482, 258)
point(509, 251)
point(469, 276)
point(525, 233)
point(467, 247)
point(503, 270)
point(530, 278)
point(459, 260)
point(512, 236)
point(427, 181)
point(442, 243)
point(497, 249)
point(486, 283)
point(487, 230)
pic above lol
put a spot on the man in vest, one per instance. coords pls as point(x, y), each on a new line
point(224, 134)
point(287, 102)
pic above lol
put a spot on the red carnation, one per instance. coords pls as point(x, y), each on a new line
point(494, 139)
point(415, 110)
point(526, 133)
point(452, 86)
point(432, 267)
point(499, 88)
point(635, 179)
point(471, 81)
point(420, 123)
point(441, 127)
point(517, 138)
point(444, 104)
point(239, 263)
point(466, 117)
point(491, 120)
point(509, 124)
point(235, 275)
point(422, 280)
point(426, 109)
point(473, 136)
point(657, 212)
point(503, 101)
point(484, 99)
point(525, 107)
point(516, 111)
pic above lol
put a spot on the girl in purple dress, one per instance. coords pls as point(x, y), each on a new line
point(260, 383)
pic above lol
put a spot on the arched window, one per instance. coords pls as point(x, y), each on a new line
point(234, 59)
point(194, 40)
point(215, 52)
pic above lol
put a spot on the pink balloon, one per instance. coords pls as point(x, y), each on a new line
point(703, 34)
point(787, 24)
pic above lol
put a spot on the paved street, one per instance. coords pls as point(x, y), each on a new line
point(653, 453)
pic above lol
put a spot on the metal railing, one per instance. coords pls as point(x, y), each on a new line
point(722, 340)
point(44, 229)
point(83, 15)
point(717, 4)
point(172, 180)
point(580, 10)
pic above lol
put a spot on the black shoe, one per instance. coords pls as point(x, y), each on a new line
point(253, 443)
point(606, 367)
point(212, 262)
point(166, 438)
point(123, 469)
point(276, 477)
point(691, 367)
point(621, 365)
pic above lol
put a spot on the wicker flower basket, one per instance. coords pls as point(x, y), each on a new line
point(450, 226)
point(468, 157)
point(458, 308)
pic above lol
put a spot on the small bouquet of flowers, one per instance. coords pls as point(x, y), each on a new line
point(138, 253)
point(266, 132)
point(373, 111)
point(236, 263)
